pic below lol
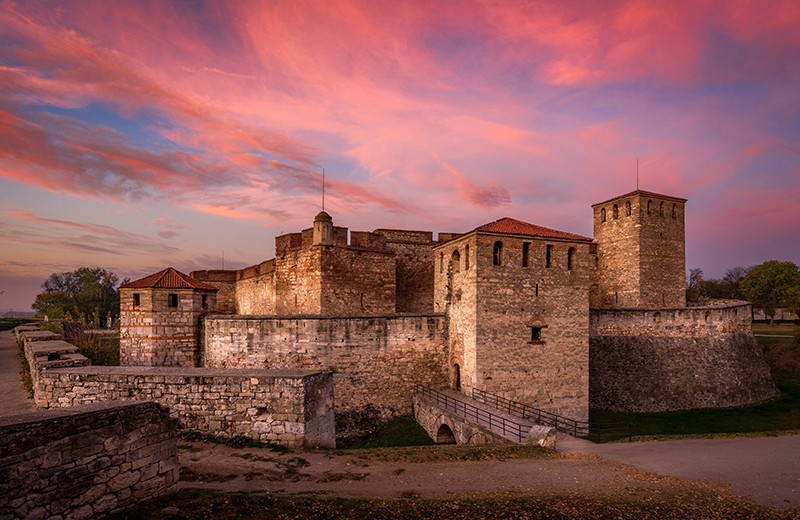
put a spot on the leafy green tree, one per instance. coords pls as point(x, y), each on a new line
point(771, 285)
point(88, 294)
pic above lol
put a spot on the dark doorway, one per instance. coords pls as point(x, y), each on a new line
point(457, 376)
point(445, 435)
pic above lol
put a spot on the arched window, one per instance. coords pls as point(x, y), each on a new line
point(497, 253)
point(548, 256)
point(455, 261)
point(661, 209)
point(674, 210)
point(603, 215)
point(441, 262)
point(466, 258)
point(628, 209)
point(570, 258)
point(526, 251)
point(649, 207)
point(616, 211)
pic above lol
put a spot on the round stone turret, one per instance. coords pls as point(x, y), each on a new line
point(323, 229)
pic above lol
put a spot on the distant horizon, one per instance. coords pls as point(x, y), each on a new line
point(139, 135)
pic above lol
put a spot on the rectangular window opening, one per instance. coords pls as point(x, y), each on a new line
point(549, 254)
point(536, 334)
point(136, 300)
point(205, 301)
point(172, 300)
point(526, 246)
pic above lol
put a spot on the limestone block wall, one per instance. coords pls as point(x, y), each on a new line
point(85, 461)
point(654, 360)
point(375, 359)
point(414, 267)
point(152, 333)
point(290, 407)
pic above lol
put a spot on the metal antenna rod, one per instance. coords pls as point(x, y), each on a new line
point(637, 173)
point(323, 189)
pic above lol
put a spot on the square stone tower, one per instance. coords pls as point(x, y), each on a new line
point(517, 301)
point(641, 251)
point(159, 319)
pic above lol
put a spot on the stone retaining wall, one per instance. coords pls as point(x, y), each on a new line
point(85, 461)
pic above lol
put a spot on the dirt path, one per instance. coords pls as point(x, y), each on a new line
point(15, 400)
point(764, 469)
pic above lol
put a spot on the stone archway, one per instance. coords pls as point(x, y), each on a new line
point(445, 435)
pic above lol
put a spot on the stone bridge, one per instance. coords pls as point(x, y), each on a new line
point(450, 417)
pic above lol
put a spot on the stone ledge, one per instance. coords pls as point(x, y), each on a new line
point(189, 372)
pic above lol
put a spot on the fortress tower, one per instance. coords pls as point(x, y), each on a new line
point(641, 253)
point(517, 300)
point(159, 317)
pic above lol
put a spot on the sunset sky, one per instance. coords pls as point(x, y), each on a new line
point(139, 135)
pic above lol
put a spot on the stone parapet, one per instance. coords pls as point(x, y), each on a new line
point(706, 321)
point(86, 461)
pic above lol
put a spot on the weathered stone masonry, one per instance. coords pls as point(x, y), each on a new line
point(85, 461)
point(654, 360)
point(375, 359)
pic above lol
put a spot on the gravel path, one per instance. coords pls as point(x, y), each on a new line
point(14, 399)
point(766, 469)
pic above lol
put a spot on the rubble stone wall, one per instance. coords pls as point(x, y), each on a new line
point(375, 359)
point(86, 461)
point(290, 407)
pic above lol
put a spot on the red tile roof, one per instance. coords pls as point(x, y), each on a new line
point(510, 226)
point(169, 278)
point(643, 193)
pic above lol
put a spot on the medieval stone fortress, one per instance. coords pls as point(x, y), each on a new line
point(546, 318)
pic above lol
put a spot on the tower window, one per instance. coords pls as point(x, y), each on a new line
point(649, 207)
point(674, 210)
point(497, 253)
point(205, 301)
point(661, 209)
point(455, 260)
point(466, 257)
point(603, 215)
point(570, 258)
point(628, 209)
point(536, 335)
point(548, 255)
point(136, 300)
point(526, 246)
point(441, 262)
point(616, 211)
point(172, 300)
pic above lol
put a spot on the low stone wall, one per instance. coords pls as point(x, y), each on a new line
point(376, 360)
point(655, 360)
point(85, 461)
point(290, 407)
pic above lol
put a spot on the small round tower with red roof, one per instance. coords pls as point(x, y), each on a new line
point(159, 316)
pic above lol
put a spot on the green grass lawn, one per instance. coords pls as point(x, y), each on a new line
point(402, 431)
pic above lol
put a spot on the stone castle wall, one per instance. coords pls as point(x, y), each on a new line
point(654, 360)
point(375, 359)
point(86, 461)
point(414, 260)
point(294, 408)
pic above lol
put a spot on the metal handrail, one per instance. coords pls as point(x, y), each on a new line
point(564, 424)
point(480, 416)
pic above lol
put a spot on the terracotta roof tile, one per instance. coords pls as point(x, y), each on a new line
point(510, 226)
point(169, 278)
point(644, 193)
